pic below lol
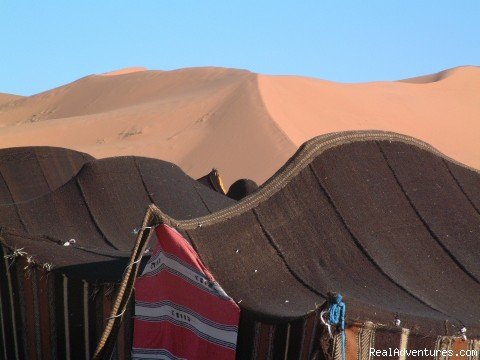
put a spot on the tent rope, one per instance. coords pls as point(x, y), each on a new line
point(107, 341)
point(337, 317)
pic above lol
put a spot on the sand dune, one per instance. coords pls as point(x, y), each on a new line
point(438, 76)
point(7, 98)
point(128, 70)
point(443, 111)
point(244, 124)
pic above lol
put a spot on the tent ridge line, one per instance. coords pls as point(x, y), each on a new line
point(304, 156)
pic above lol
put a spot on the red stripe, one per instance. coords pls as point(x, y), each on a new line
point(165, 286)
point(181, 292)
point(180, 247)
point(178, 340)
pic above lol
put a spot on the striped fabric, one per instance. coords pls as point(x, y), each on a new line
point(399, 343)
point(180, 310)
point(308, 339)
point(46, 315)
point(299, 339)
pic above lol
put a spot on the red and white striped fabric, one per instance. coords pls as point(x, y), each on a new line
point(181, 312)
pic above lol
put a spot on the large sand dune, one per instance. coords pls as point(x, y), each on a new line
point(246, 125)
point(5, 98)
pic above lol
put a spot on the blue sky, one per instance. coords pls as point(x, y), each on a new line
point(48, 43)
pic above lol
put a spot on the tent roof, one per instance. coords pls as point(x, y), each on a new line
point(98, 203)
point(30, 172)
point(383, 219)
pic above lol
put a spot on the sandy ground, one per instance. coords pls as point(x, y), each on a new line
point(244, 124)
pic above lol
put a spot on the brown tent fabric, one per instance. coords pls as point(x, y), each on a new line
point(383, 219)
point(29, 172)
point(48, 315)
point(99, 208)
point(67, 227)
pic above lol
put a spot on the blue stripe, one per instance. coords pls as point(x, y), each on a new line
point(138, 352)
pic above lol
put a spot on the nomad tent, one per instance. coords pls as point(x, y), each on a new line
point(382, 219)
point(67, 230)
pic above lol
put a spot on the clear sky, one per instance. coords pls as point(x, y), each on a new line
point(45, 44)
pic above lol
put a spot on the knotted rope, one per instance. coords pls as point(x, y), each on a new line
point(337, 317)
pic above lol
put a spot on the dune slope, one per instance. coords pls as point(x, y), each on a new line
point(244, 124)
point(441, 109)
point(8, 98)
point(196, 118)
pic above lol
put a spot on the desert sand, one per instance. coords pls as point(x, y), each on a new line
point(5, 98)
point(244, 124)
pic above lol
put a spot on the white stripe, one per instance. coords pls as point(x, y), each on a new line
point(10, 290)
point(162, 354)
point(85, 320)
point(65, 315)
point(152, 356)
point(196, 277)
point(228, 336)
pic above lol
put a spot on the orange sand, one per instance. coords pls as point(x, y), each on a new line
point(244, 124)
point(128, 70)
point(5, 98)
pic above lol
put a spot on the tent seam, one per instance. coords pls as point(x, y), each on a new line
point(137, 167)
point(460, 186)
point(424, 222)
point(362, 248)
point(276, 247)
point(97, 226)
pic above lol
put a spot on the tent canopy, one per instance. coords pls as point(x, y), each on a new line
point(52, 196)
point(383, 219)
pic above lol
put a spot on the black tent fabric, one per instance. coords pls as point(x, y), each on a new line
point(30, 172)
point(96, 210)
point(242, 188)
point(67, 227)
point(385, 220)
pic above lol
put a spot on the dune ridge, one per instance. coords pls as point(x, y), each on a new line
point(127, 70)
point(242, 123)
point(442, 75)
point(8, 98)
point(443, 113)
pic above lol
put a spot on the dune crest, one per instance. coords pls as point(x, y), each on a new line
point(442, 113)
point(127, 70)
point(8, 98)
point(198, 118)
point(244, 124)
point(457, 72)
